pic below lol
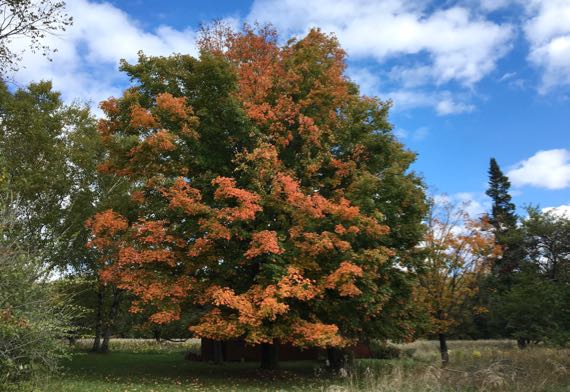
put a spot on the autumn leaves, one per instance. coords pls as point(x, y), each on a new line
point(253, 231)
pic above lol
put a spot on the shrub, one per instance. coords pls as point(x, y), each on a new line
point(384, 350)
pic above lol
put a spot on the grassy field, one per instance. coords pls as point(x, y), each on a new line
point(474, 366)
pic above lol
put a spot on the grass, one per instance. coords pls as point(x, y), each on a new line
point(144, 365)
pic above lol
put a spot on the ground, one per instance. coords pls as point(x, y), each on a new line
point(474, 366)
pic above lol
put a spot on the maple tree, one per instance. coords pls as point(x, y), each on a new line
point(458, 250)
point(269, 195)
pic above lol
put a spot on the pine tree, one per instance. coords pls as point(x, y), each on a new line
point(504, 220)
point(503, 215)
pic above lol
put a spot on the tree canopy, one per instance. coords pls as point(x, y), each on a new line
point(271, 197)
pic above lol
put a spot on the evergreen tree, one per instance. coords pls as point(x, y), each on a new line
point(503, 215)
point(504, 219)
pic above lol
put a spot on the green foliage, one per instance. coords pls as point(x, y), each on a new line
point(536, 310)
point(33, 319)
point(50, 152)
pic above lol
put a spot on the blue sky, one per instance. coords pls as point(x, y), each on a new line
point(470, 79)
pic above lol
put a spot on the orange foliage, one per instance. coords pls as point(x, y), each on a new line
point(294, 97)
point(183, 196)
point(318, 334)
point(263, 242)
point(174, 106)
point(161, 140)
point(247, 201)
point(343, 279)
point(141, 118)
point(294, 285)
point(104, 225)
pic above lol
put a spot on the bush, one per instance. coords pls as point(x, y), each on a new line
point(384, 350)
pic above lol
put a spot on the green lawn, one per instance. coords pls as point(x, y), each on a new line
point(123, 371)
point(474, 366)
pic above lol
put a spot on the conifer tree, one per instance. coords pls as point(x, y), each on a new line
point(503, 216)
point(504, 219)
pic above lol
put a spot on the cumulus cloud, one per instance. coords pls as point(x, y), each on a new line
point(458, 45)
point(548, 33)
point(548, 169)
point(85, 66)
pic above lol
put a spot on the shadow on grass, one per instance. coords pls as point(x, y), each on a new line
point(162, 369)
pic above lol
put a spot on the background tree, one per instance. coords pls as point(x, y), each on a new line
point(261, 175)
point(504, 219)
point(31, 20)
point(33, 318)
point(536, 306)
point(457, 251)
point(50, 153)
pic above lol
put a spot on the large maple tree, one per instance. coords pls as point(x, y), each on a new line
point(270, 196)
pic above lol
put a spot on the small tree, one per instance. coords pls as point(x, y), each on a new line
point(457, 250)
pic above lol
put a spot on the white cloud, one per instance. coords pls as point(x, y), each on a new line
point(546, 169)
point(562, 211)
point(458, 45)
point(475, 204)
point(448, 106)
point(548, 33)
point(85, 66)
point(443, 102)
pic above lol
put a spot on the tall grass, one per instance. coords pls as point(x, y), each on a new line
point(474, 366)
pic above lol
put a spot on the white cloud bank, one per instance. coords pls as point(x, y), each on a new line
point(548, 33)
point(548, 169)
point(460, 46)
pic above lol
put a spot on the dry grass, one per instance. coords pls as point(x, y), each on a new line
point(474, 366)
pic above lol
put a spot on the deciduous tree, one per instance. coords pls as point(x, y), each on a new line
point(270, 195)
point(457, 250)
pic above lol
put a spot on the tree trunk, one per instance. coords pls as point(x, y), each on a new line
point(443, 349)
point(108, 326)
point(156, 332)
point(270, 355)
point(99, 321)
point(338, 358)
point(522, 343)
